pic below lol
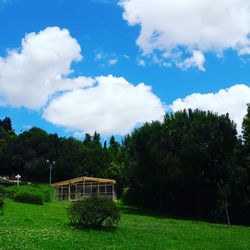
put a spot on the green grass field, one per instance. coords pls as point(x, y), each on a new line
point(26, 226)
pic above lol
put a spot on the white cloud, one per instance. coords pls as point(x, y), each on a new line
point(113, 61)
point(98, 56)
point(232, 100)
point(109, 59)
point(192, 25)
point(38, 75)
point(112, 106)
point(126, 57)
point(197, 60)
point(141, 62)
point(40, 68)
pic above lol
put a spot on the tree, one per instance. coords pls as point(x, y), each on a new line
point(242, 187)
point(192, 164)
point(93, 155)
point(224, 193)
point(175, 166)
point(246, 138)
point(246, 130)
point(6, 124)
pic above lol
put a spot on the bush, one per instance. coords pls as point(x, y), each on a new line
point(28, 197)
point(93, 212)
point(10, 191)
point(39, 189)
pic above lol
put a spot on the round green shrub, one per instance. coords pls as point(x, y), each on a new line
point(93, 212)
point(28, 197)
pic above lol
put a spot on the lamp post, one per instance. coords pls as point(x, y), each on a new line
point(50, 164)
point(18, 177)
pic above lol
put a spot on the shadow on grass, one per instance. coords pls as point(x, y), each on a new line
point(98, 229)
point(127, 209)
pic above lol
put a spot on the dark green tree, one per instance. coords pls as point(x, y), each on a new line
point(6, 124)
point(175, 166)
point(93, 155)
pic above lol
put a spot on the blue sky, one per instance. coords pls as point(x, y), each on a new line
point(128, 44)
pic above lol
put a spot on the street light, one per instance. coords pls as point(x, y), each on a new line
point(50, 164)
point(18, 177)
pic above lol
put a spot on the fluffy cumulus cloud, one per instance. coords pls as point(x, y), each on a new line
point(40, 68)
point(38, 76)
point(232, 100)
point(187, 27)
point(111, 106)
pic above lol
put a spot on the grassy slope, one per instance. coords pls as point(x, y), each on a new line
point(27, 226)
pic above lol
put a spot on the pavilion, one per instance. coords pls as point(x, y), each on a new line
point(83, 187)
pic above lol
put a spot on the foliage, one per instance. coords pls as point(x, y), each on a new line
point(28, 197)
point(93, 212)
point(6, 124)
point(193, 164)
point(175, 165)
point(94, 155)
point(2, 204)
point(36, 189)
point(2, 190)
point(246, 127)
point(242, 186)
point(129, 195)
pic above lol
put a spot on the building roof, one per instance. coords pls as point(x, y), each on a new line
point(83, 178)
point(4, 181)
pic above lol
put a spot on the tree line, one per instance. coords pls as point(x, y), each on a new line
point(193, 164)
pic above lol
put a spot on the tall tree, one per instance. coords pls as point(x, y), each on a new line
point(93, 154)
point(243, 186)
point(176, 165)
point(246, 130)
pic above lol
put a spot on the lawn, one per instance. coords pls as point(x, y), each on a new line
point(26, 226)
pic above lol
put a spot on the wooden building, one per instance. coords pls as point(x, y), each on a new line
point(82, 187)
